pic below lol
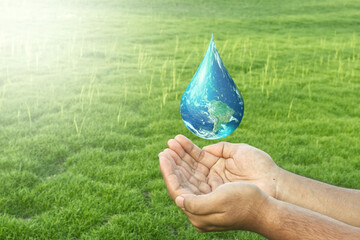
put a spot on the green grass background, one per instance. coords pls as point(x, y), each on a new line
point(90, 93)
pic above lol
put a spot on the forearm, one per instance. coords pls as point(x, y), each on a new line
point(281, 220)
point(338, 203)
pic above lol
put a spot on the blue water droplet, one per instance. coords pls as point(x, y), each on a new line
point(212, 106)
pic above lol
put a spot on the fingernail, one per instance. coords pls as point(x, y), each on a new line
point(179, 200)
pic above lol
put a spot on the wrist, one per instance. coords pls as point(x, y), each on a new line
point(282, 179)
point(266, 216)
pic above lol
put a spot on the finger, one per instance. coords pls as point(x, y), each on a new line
point(186, 181)
point(178, 148)
point(215, 181)
point(190, 177)
point(203, 187)
point(169, 158)
point(222, 149)
point(175, 180)
point(170, 178)
point(199, 175)
point(194, 177)
point(174, 145)
point(179, 161)
point(200, 156)
point(199, 204)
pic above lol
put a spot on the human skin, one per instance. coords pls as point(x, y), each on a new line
point(233, 186)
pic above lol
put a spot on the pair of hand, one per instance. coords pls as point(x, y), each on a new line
point(221, 187)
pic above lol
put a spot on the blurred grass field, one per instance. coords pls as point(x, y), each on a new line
point(90, 93)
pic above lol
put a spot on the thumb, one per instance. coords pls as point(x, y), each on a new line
point(179, 200)
point(197, 204)
point(222, 149)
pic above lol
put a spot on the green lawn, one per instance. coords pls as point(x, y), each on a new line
point(90, 94)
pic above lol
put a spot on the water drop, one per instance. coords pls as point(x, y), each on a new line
point(212, 106)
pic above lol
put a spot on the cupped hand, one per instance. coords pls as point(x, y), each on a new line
point(224, 162)
point(232, 206)
point(242, 162)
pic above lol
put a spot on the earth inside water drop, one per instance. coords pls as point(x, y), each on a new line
point(212, 106)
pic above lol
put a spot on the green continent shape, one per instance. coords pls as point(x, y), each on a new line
point(221, 113)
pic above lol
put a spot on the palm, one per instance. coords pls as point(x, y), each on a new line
point(246, 164)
